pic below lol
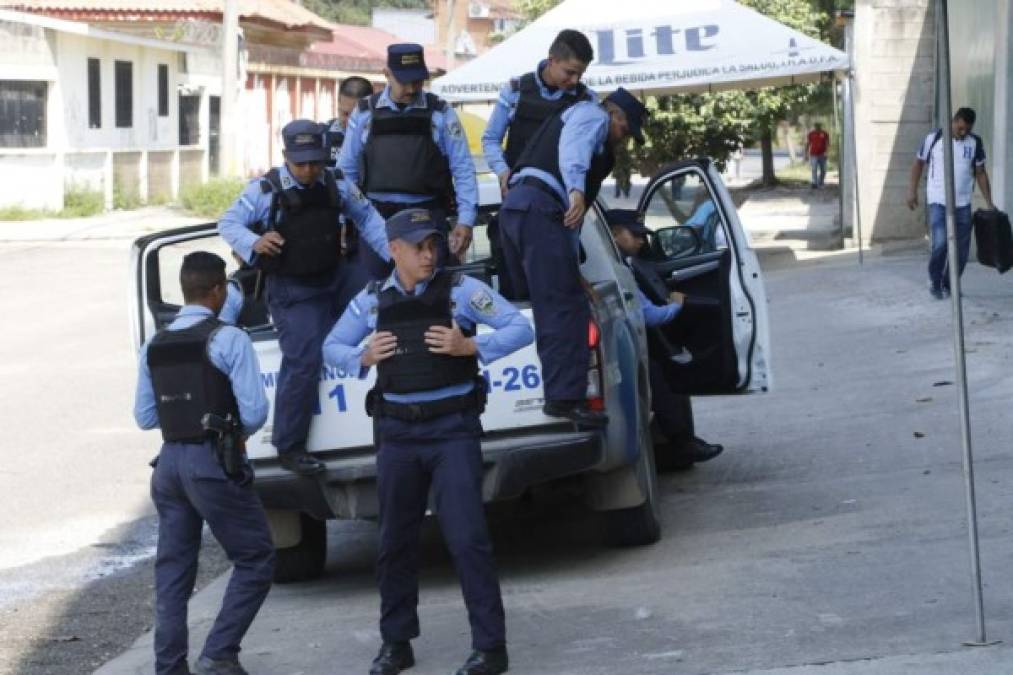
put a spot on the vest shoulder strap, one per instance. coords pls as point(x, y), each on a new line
point(368, 102)
point(271, 181)
point(330, 180)
point(527, 84)
point(515, 84)
point(434, 102)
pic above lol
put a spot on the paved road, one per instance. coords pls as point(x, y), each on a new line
point(830, 532)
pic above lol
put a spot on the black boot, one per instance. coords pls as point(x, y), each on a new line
point(486, 663)
point(300, 462)
point(393, 658)
point(577, 412)
point(699, 450)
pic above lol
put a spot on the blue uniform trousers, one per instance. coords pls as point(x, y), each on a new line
point(543, 262)
point(445, 454)
point(303, 312)
point(673, 412)
point(189, 488)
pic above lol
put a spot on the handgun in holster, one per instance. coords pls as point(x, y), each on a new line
point(230, 450)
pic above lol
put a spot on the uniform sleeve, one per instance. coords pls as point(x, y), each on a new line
point(585, 130)
point(348, 159)
point(496, 129)
point(478, 303)
point(455, 147)
point(235, 350)
point(233, 303)
point(343, 346)
point(657, 315)
point(236, 225)
point(145, 412)
point(367, 219)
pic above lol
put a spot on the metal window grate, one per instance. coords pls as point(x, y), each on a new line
point(22, 114)
point(124, 81)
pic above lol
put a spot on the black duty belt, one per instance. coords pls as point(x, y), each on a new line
point(388, 209)
point(540, 184)
point(378, 406)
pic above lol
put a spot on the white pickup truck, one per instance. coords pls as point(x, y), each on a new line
point(724, 351)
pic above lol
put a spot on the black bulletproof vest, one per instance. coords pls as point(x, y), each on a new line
point(335, 138)
point(413, 367)
point(254, 310)
point(307, 218)
point(187, 385)
point(400, 153)
point(542, 152)
point(531, 111)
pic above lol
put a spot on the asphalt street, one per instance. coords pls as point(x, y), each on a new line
point(829, 539)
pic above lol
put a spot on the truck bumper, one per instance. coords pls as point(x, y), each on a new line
point(347, 488)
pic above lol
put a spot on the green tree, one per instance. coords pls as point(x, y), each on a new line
point(357, 11)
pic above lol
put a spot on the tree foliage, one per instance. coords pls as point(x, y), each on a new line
point(357, 11)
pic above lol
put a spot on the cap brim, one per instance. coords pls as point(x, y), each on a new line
point(408, 75)
point(418, 236)
point(308, 155)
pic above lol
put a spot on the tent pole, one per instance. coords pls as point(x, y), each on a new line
point(946, 115)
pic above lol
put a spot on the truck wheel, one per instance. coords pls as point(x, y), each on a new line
point(304, 561)
point(640, 525)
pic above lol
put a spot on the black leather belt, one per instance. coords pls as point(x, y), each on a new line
point(540, 184)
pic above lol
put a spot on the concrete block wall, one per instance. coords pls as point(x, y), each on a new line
point(894, 104)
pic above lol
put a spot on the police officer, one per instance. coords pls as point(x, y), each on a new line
point(351, 90)
point(198, 365)
point(287, 223)
point(426, 407)
point(526, 102)
point(556, 178)
point(406, 148)
point(673, 411)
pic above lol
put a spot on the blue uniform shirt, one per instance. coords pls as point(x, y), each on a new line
point(657, 315)
point(473, 302)
point(233, 303)
point(448, 134)
point(503, 115)
point(248, 215)
point(585, 132)
point(231, 352)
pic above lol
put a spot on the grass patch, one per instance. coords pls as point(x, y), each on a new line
point(124, 200)
point(801, 172)
point(213, 198)
point(77, 203)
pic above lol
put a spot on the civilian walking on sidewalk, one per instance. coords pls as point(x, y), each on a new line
point(816, 145)
point(968, 166)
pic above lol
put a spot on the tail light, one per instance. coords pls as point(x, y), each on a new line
point(595, 371)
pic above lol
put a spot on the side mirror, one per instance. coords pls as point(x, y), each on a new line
point(678, 241)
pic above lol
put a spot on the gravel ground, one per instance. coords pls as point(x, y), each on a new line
point(69, 615)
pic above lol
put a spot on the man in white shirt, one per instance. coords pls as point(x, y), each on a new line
point(968, 167)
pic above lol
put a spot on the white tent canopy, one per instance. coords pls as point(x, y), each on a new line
point(656, 46)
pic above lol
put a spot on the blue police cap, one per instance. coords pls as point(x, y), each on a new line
point(631, 219)
point(304, 142)
point(407, 61)
point(634, 109)
point(412, 225)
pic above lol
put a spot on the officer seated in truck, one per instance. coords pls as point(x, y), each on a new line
point(426, 407)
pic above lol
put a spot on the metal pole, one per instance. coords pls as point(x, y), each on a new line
point(230, 66)
point(849, 130)
point(952, 257)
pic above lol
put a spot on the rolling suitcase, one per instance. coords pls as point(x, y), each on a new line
point(994, 239)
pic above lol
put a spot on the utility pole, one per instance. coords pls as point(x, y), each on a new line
point(229, 105)
point(451, 38)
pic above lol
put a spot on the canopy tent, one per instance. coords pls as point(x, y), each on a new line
point(655, 46)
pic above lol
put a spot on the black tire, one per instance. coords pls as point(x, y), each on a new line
point(639, 525)
point(304, 561)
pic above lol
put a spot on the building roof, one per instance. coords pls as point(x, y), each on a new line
point(85, 30)
point(279, 13)
point(364, 48)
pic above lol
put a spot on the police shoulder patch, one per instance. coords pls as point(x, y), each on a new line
point(286, 181)
point(455, 130)
point(481, 301)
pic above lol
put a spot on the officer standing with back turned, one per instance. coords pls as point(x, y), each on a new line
point(556, 178)
point(426, 406)
point(288, 224)
point(406, 147)
point(199, 366)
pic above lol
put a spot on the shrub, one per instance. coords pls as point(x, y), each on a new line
point(81, 203)
point(212, 198)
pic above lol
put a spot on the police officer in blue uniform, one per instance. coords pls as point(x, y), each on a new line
point(288, 224)
point(426, 407)
point(406, 148)
point(352, 89)
point(198, 365)
point(673, 412)
point(526, 102)
point(556, 178)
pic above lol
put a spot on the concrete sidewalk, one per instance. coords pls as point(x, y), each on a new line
point(829, 539)
point(106, 226)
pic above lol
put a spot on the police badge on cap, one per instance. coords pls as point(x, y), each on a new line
point(407, 62)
